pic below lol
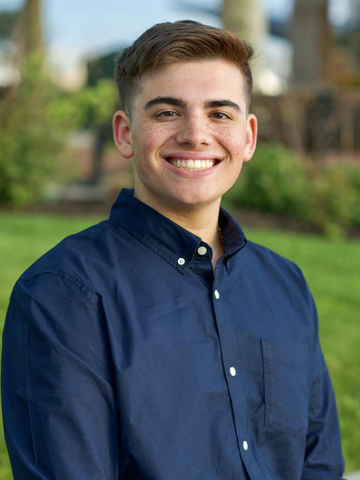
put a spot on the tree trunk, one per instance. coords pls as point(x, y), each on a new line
point(311, 41)
point(246, 18)
point(29, 33)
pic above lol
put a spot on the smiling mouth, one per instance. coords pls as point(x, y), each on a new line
point(192, 164)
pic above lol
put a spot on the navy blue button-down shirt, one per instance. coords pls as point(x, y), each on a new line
point(126, 357)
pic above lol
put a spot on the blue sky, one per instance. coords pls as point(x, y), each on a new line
point(85, 27)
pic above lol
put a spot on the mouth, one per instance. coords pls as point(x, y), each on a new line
point(192, 164)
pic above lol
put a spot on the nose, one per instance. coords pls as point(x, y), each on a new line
point(194, 131)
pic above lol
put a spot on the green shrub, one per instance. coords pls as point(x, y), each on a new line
point(353, 173)
point(30, 138)
point(88, 107)
point(333, 198)
point(36, 120)
point(275, 180)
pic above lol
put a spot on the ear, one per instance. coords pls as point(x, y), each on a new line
point(122, 134)
point(251, 137)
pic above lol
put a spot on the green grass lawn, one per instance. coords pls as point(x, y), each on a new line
point(332, 268)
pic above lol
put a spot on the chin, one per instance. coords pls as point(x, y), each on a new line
point(195, 201)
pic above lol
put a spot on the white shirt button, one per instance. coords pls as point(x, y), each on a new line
point(181, 261)
point(232, 371)
point(202, 250)
point(245, 445)
point(217, 295)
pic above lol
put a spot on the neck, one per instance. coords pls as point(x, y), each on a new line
point(207, 228)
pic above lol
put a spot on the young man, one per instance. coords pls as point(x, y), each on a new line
point(161, 344)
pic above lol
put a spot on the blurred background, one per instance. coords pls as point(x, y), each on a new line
point(58, 96)
point(300, 194)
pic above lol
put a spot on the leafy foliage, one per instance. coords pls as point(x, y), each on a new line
point(36, 120)
point(30, 137)
point(274, 181)
point(8, 19)
point(335, 198)
point(89, 107)
point(328, 197)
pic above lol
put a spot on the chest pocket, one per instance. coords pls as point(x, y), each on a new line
point(286, 381)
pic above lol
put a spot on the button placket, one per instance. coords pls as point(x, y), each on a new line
point(230, 357)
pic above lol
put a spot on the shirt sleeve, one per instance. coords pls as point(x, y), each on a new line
point(59, 409)
point(323, 457)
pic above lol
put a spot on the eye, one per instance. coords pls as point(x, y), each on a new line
point(167, 113)
point(220, 116)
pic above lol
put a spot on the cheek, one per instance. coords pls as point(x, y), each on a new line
point(232, 139)
point(153, 137)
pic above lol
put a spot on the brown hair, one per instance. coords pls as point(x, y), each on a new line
point(180, 41)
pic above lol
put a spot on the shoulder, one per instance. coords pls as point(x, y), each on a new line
point(272, 262)
point(280, 278)
point(269, 256)
point(75, 257)
point(258, 261)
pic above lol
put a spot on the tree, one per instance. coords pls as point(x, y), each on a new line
point(8, 19)
point(247, 19)
point(311, 41)
point(30, 31)
point(30, 137)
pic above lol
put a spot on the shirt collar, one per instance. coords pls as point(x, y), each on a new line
point(169, 240)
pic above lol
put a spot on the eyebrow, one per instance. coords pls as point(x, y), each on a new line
point(222, 103)
point(176, 102)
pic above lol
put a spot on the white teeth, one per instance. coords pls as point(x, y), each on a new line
point(193, 164)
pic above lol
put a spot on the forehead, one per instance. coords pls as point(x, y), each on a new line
point(193, 81)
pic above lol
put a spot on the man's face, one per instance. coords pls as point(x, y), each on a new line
point(189, 134)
